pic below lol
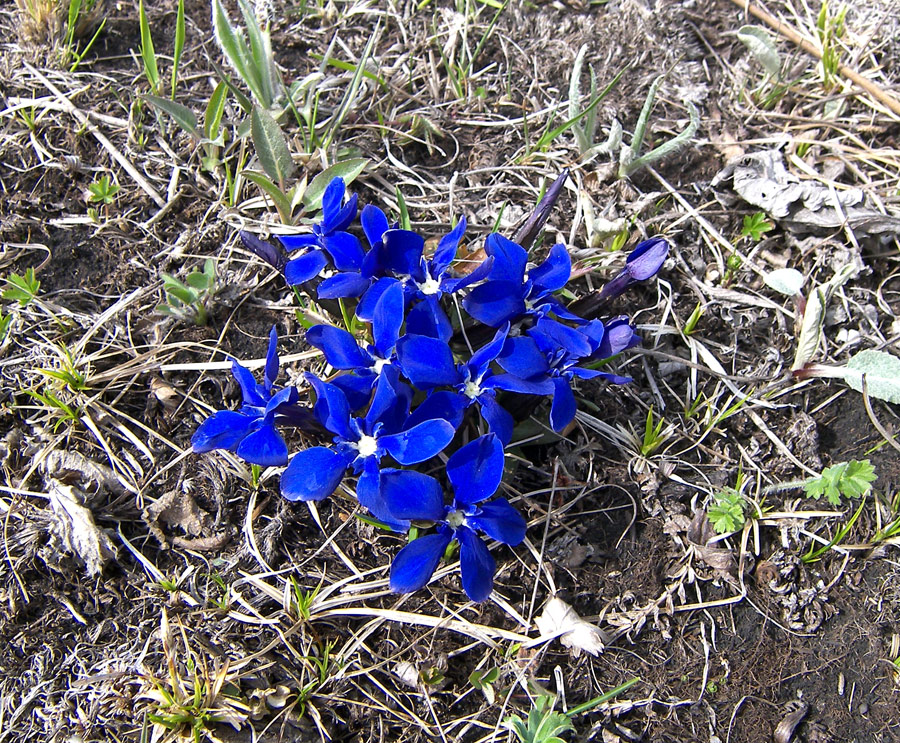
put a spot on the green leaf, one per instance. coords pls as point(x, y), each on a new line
point(198, 280)
point(179, 44)
point(881, 371)
point(5, 322)
point(271, 146)
point(849, 480)
point(349, 170)
point(188, 296)
point(23, 288)
point(148, 55)
point(182, 115)
point(755, 225)
point(281, 201)
point(726, 513)
point(215, 109)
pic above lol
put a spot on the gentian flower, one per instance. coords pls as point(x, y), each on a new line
point(328, 238)
point(428, 363)
point(475, 472)
point(345, 353)
point(356, 281)
point(361, 443)
point(642, 263)
point(550, 353)
point(250, 432)
point(510, 293)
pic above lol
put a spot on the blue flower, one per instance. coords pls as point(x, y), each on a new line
point(550, 354)
point(345, 353)
point(250, 432)
point(328, 238)
point(642, 263)
point(361, 443)
point(510, 293)
point(428, 363)
point(475, 472)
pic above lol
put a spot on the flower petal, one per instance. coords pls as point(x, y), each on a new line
point(498, 419)
point(374, 224)
point(403, 253)
point(332, 198)
point(620, 336)
point(412, 495)
point(365, 310)
point(341, 349)
point(553, 273)
point(296, 242)
point(418, 443)
point(264, 447)
point(416, 562)
point(348, 284)
point(428, 318)
point(562, 410)
point(500, 521)
point(426, 362)
point(250, 390)
point(509, 258)
point(306, 267)
point(572, 341)
point(265, 250)
point(387, 319)
point(495, 302)
point(647, 258)
point(332, 408)
point(475, 470)
point(390, 403)
point(446, 249)
point(482, 271)
point(345, 251)
point(342, 219)
point(222, 430)
point(313, 474)
point(271, 373)
point(357, 387)
point(483, 357)
point(512, 383)
point(522, 357)
point(475, 564)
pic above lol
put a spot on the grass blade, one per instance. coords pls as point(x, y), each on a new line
point(184, 117)
point(179, 44)
point(148, 54)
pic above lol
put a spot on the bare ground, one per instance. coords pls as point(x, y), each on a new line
point(734, 640)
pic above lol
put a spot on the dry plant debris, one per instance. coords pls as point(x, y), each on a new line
point(147, 592)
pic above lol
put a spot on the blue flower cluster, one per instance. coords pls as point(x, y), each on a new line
point(410, 390)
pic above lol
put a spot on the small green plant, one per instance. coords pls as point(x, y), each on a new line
point(22, 289)
point(755, 226)
point(103, 191)
point(654, 435)
point(69, 370)
point(55, 407)
point(691, 325)
point(733, 264)
point(148, 54)
point(461, 66)
point(772, 88)
point(187, 300)
point(630, 158)
point(544, 725)
point(484, 681)
point(851, 479)
point(829, 31)
point(302, 600)
point(726, 512)
point(814, 554)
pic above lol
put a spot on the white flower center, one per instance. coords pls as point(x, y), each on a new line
point(380, 364)
point(430, 286)
point(366, 446)
point(472, 390)
point(456, 519)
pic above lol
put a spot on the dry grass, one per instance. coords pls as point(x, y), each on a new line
point(254, 619)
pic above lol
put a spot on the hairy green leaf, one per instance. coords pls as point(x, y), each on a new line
point(271, 147)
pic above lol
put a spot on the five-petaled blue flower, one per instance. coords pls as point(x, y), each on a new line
point(475, 472)
point(250, 432)
point(328, 238)
point(361, 443)
point(510, 292)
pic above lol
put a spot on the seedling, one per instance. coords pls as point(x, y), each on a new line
point(829, 30)
point(544, 724)
point(726, 513)
point(55, 406)
point(103, 191)
point(760, 43)
point(814, 554)
point(484, 681)
point(654, 435)
point(22, 289)
point(755, 226)
point(851, 479)
point(302, 600)
point(68, 372)
point(187, 301)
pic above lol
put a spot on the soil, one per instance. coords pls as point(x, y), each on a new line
point(736, 639)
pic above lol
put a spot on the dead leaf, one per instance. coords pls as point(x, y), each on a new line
point(74, 526)
point(73, 468)
point(177, 509)
point(560, 619)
